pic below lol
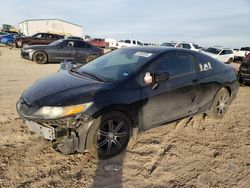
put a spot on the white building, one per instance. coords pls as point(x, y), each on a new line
point(31, 27)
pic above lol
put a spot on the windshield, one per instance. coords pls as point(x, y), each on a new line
point(117, 65)
point(170, 44)
point(213, 50)
point(56, 42)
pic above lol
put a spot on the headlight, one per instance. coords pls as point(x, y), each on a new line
point(48, 112)
point(28, 50)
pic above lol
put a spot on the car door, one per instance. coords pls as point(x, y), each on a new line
point(172, 98)
point(82, 50)
point(48, 38)
point(37, 39)
point(223, 56)
point(65, 51)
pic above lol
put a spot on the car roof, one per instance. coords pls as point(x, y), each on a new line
point(72, 39)
point(157, 49)
point(49, 33)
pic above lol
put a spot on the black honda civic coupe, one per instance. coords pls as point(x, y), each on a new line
point(97, 106)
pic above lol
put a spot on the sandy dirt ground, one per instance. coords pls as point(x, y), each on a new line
point(201, 153)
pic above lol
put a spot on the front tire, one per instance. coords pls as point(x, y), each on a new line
point(108, 135)
point(40, 57)
point(220, 104)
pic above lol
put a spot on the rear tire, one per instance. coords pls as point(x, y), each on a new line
point(220, 104)
point(108, 135)
point(40, 57)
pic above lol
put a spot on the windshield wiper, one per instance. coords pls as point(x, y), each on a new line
point(87, 74)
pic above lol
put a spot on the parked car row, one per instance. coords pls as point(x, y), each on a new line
point(59, 50)
point(225, 55)
point(147, 87)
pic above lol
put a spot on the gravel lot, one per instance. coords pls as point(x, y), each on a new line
point(202, 153)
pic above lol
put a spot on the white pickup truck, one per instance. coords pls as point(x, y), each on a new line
point(129, 43)
point(243, 52)
point(225, 55)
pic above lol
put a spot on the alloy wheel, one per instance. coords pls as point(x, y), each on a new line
point(112, 136)
point(222, 104)
point(40, 58)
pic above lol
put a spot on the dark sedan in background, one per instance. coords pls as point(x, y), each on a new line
point(39, 38)
point(97, 105)
point(64, 49)
point(244, 70)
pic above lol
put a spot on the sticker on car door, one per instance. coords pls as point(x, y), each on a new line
point(205, 67)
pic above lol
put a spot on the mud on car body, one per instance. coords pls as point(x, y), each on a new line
point(96, 107)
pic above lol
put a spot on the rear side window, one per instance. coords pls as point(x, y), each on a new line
point(68, 43)
point(127, 41)
point(203, 59)
point(49, 36)
point(56, 37)
point(38, 36)
point(175, 64)
point(81, 44)
point(229, 52)
point(187, 46)
point(139, 43)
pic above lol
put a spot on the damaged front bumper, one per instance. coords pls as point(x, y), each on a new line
point(68, 134)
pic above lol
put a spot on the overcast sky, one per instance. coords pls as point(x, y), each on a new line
point(213, 22)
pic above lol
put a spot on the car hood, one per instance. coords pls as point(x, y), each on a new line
point(62, 89)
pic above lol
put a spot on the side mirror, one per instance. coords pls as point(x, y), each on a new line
point(148, 78)
point(154, 79)
point(159, 77)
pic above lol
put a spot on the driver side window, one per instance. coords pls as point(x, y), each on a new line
point(175, 64)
